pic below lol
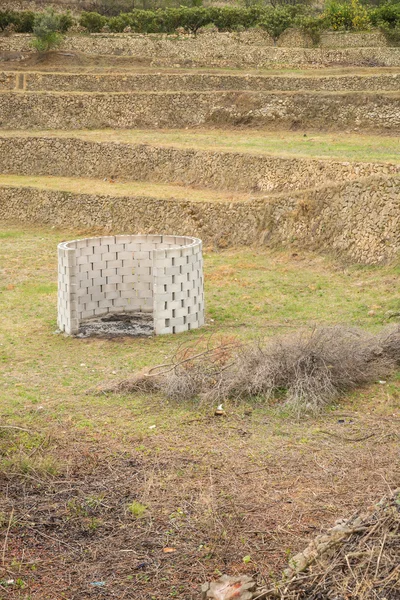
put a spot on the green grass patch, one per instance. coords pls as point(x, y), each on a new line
point(305, 143)
point(250, 293)
point(82, 185)
point(137, 509)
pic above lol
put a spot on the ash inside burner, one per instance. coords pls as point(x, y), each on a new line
point(118, 325)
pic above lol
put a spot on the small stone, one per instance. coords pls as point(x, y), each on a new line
point(229, 588)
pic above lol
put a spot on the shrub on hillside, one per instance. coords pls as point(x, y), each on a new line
point(191, 19)
point(361, 20)
point(170, 19)
point(312, 26)
point(22, 21)
point(337, 16)
point(139, 21)
point(47, 31)
point(387, 18)
point(231, 18)
point(92, 21)
point(66, 21)
point(386, 14)
point(392, 34)
point(5, 19)
point(275, 21)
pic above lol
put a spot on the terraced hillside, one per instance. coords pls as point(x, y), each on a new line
point(132, 495)
point(229, 155)
point(74, 101)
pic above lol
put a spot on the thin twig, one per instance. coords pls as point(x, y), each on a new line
point(3, 558)
point(344, 439)
point(380, 556)
point(18, 428)
point(51, 538)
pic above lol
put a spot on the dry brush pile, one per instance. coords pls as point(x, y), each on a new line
point(358, 558)
point(305, 371)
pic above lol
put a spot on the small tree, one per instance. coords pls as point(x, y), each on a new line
point(276, 21)
point(47, 31)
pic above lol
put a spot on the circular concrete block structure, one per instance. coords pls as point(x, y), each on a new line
point(160, 275)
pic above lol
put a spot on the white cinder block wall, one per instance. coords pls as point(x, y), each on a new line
point(159, 274)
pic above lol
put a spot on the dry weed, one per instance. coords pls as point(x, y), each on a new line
point(358, 558)
point(308, 369)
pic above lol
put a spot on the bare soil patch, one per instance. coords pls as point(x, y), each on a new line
point(207, 504)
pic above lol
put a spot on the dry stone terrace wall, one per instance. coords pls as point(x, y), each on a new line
point(8, 81)
point(359, 220)
point(334, 39)
point(124, 82)
point(217, 50)
point(74, 157)
point(161, 274)
point(369, 111)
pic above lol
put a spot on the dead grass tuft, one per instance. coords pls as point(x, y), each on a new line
point(389, 340)
point(306, 370)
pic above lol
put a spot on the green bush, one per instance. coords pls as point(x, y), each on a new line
point(5, 19)
point(277, 20)
point(191, 19)
point(142, 21)
point(66, 22)
point(23, 21)
point(361, 20)
point(392, 34)
point(387, 16)
point(312, 26)
point(232, 18)
point(92, 21)
point(170, 19)
point(47, 31)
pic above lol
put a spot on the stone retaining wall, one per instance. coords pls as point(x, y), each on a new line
point(346, 39)
point(369, 111)
point(161, 82)
point(291, 38)
point(216, 50)
point(74, 157)
point(160, 274)
point(359, 220)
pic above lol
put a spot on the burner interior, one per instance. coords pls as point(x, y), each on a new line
point(118, 325)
